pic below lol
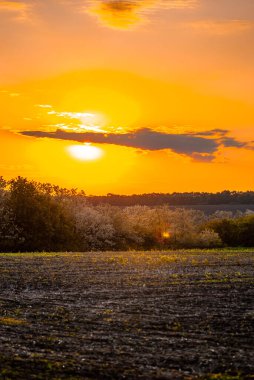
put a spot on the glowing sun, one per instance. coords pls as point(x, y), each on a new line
point(85, 152)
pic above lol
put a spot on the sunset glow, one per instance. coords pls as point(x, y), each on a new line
point(162, 90)
point(166, 235)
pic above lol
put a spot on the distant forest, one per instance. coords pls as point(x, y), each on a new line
point(176, 199)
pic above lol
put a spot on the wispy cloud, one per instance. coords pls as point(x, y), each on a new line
point(19, 10)
point(126, 14)
point(197, 146)
point(46, 106)
point(74, 121)
point(220, 28)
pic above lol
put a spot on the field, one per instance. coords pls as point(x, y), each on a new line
point(134, 315)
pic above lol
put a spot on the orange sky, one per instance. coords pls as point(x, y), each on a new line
point(161, 90)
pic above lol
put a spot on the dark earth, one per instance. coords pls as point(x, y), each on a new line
point(134, 315)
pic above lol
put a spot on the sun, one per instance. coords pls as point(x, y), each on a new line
point(85, 152)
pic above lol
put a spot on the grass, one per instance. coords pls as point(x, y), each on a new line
point(11, 321)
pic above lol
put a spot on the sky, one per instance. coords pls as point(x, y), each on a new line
point(128, 96)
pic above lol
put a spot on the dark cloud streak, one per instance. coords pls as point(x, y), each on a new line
point(196, 146)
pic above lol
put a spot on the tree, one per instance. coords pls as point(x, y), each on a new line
point(246, 231)
point(228, 231)
point(94, 228)
point(9, 232)
point(43, 223)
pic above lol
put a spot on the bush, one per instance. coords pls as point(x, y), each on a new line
point(208, 239)
point(235, 232)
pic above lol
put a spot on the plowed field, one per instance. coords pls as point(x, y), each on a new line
point(135, 315)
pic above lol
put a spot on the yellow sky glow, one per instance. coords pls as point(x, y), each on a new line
point(128, 96)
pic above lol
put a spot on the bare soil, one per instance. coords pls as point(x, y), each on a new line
point(135, 315)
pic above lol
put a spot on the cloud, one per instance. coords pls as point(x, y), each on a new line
point(232, 143)
point(126, 14)
point(205, 157)
point(189, 144)
point(18, 9)
point(220, 28)
point(212, 132)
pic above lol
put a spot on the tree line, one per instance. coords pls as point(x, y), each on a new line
point(177, 199)
point(43, 217)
